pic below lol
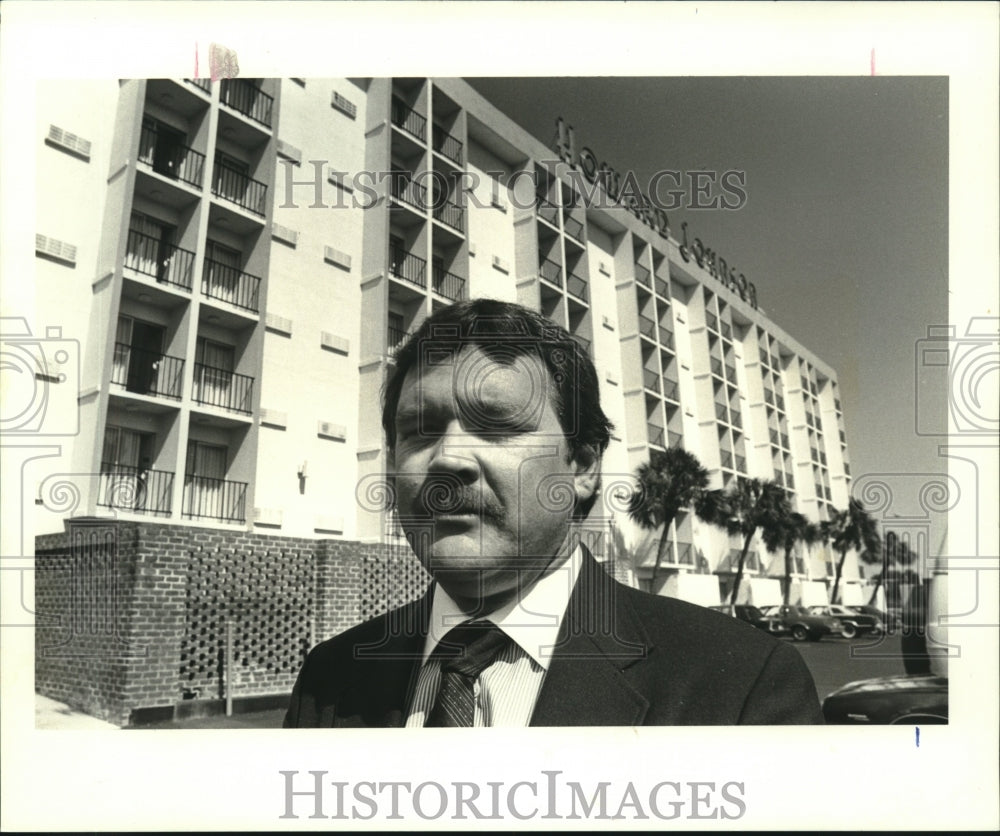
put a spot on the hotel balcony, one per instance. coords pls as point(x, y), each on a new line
point(228, 284)
point(551, 272)
point(170, 158)
point(223, 389)
point(662, 287)
point(240, 189)
point(671, 391)
point(136, 490)
point(675, 439)
point(448, 284)
point(655, 434)
point(577, 287)
point(651, 380)
point(573, 228)
point(712, 321)
point(214, 499)
point(647, 327)
point(450, 214)
point(716, 365)
point(547, 211)
point(583, 342)
point(447, 145)
point(408, 119)
point(396, 336)
point(247, 98)
point(642, 276)
point(202, 83)
point(727, 331)
point(406, 190)
point(145, 372)
point(408, 267)
point(163, 262)
point(726, 458)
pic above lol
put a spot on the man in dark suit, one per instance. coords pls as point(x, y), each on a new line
point(495, 434)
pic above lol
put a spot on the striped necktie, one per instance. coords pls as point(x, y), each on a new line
point(466, 651)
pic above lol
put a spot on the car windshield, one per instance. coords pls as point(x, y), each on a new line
point(753, 612)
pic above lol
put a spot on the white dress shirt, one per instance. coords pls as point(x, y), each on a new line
point(505, 693)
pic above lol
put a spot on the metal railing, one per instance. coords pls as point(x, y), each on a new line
point(404, 188)
point(741, 464)
point(789, 480)
point(215, 499)
point(574, 229)
point(764, 357)
point(735, 419)
point(239, 188)
point(655, 435)
point(446, 144)
point(647, 327)
point(666, 335)
point(228, 284)
point(247, 98)
point(577, 286)
point(670, 390)
point(134, 489)
point(169, 158)
point(727, 330)
point(226, 390)
point(711, 320)
point(448, 284)
point(722, 412)
point(716, 365)
point(730, 372)
point(204, 83)
point(642, 275)
point(727, 458)
point(779, 402)
point(147, 372)
point(583, 342)
point(547, 211)
point(675, 439)
point(395, 336)
point(405, 117)
point(551, 272)
point(408, 267)
point(662, 287)
point(651, 380)
point(163, 262)
point(451, 214)
point(784, 441)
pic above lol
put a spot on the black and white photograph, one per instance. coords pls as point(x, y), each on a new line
point(617, 382)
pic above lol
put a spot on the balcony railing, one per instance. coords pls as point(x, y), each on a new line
point(651, 380)
point(163, 262)
point(784, 441)
point(228, 284)
point(730, 372)
point(583, 342)
point(779, 402)
point(446, 144)
point(170, 158)
point(408, 267)
point(727, 330)
point(647, 327)
point(670, 390)
point(789, 480)
point(763, 356)
point(712, 321)
point(551, 272)
point(666, 336)
point(137, 490)
point(722, 412)
point(727, 458)
point(405, 117)
point(214, 499)
point(395, 336)
point(239, 188)
point(735, 419)
point(577, 287)
point(404, 188)
point(655, 435)
point(448, 284)
point(451, 214)
point(226, 390)
point(204, 83)
point(247, 98)
point(147, 372)
point(662, 287)
point(741, 464)
point(548, 211)
point(675, 439)
point(716, 366)
point(642, 276)
point(573, 228)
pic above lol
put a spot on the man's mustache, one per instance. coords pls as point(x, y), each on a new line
point(443, 495)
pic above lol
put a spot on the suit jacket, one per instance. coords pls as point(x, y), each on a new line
point(624, 658)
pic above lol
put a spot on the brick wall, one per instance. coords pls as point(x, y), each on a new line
point(134, 615)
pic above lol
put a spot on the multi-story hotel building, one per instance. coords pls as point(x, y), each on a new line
point(237, 261)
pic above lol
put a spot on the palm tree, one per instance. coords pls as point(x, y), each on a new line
point(853, 528)
point(746, 506)
point(671, 480)
point(892, 554)
point(784, 534)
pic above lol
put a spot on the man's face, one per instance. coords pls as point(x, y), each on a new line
point(484, 483)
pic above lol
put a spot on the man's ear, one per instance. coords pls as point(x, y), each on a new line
point(586, 473)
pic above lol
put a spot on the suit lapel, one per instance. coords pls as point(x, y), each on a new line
point(588, 682)
point(385, 670)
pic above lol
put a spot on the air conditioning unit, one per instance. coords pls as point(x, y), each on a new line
point(327, 429)
point(278, 324)
point(334, 342)
point(267, 516)
point(69, 142)
point(500, 264)
point(328, 523)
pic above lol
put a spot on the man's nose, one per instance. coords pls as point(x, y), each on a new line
point(455, 451)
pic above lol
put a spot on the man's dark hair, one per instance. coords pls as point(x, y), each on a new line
point(504, 330)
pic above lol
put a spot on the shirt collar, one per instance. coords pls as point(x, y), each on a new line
point(532, 622)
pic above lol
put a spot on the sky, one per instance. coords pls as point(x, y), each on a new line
point(845, 228)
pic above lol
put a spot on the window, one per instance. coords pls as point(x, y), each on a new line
point(161, 147)
point(138, 356)
point(222, 272)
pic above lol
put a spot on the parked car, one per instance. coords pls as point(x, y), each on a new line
point(852, 623)
point(801, 623)
point(891, 619)
point(890, 700)
point(751, 615)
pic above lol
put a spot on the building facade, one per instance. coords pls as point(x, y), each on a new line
point(237, 260)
